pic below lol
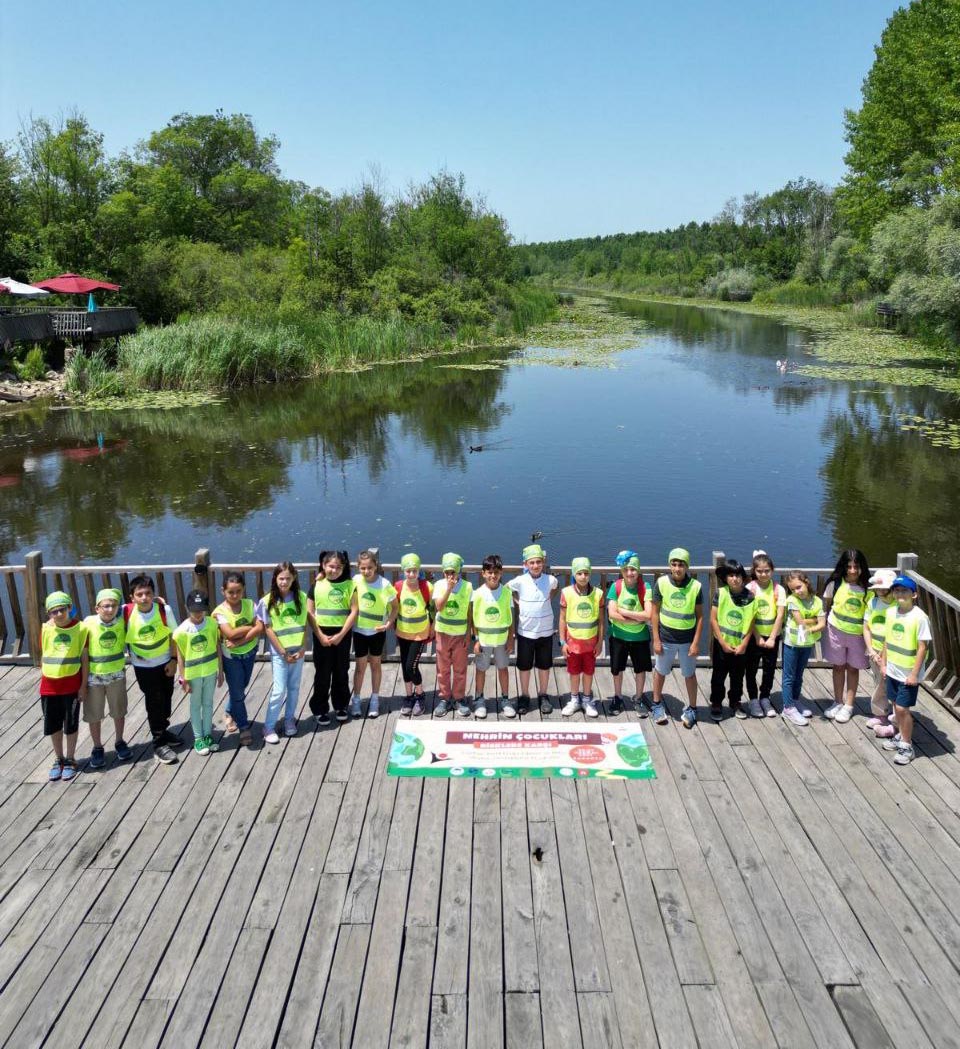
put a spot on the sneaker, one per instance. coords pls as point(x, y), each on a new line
point(904, 755)
point(832, 711)
point(270, 735)
point(69, 769)
point(688, 717)
point(406, 707)
point(885, 731)
point(767, 707)
point(894, 743)
point(754, 708)
point(124, 753)
point(170, 740)
point(290, 727)
point(572, 706)
point(659, 713)
point(806, 712)
point(546, 705)
point(480, 709)
point(341, 716)
point(640, 707)
point(891, 718)
point(876, 722)
point(523, 705)
point(843, 715)
point(97, 760)
point(463, 708)
point(212, 744)
point(201, 746)
point(322, 720)
point(355, 711)
point(616, 705)
point(441, 709)
point(739, 711)
point(373, 711)
point(590, 707)
point(794, 716)
point(716, 713)
point(507, 709)
point(56, 771)
point(417, 706)
point(163, 754)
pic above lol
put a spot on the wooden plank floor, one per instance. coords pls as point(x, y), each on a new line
point(773, 886)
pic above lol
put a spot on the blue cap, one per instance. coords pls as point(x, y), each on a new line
point(906, 582)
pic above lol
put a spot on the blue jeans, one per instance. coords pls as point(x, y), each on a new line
point(286, 679)
point(794, 663)
point(238, 671)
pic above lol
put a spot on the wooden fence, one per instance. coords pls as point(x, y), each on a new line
point(23, 588)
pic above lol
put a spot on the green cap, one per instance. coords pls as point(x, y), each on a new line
point(632, 562)
point(532, 551)
point(581, 564)
point(679, 554)
point(58, 599)
point(109, 594)
point(451, 562)
point(410, 561)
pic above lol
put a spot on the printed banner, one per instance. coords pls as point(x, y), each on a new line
point(503, 749)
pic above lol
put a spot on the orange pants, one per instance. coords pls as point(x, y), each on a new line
point(452, 656)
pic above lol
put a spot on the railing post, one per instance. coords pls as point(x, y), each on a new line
point(201, 571)
point(907, 563)
point(34, 597)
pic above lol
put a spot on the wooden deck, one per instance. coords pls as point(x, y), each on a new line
point(772, 887)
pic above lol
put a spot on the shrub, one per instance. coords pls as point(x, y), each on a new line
point(33, 366)
point(736, 284)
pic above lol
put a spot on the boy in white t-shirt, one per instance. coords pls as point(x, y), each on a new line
point(533, 592)
point(906, 640)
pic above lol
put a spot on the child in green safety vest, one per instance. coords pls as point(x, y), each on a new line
point(334, 615)
point(492, 611)
point(906, 641)
point(240, 632)
point(286, 620)
point(874, 626)
point(63, 681)
point(629, 608)
point(452, 601)
point(805, 620)
point(375, 602)
point(199, 667)
point(581, 637)
point(731, 624)
point(675, 627)
point(106, 682)
point(414, 630)
point(764, 644)
point(843, 643)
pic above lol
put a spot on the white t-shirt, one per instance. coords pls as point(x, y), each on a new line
point(923, 634)
point(535, 612)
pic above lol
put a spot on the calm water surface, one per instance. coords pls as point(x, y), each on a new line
point(693, 437)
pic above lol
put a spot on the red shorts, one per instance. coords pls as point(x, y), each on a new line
point(581, 662)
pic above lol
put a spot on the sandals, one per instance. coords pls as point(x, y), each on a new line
point(68, 769)
point(56, 771)
point(229, 725)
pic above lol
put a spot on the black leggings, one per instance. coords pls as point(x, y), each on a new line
point(767, 658)
point(410, 652)
point(332, 664)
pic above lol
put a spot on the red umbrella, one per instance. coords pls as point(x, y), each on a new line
point(73, 284)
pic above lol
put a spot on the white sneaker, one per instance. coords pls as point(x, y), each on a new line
point(832, 711)
point(355, 711)
point(270, 735)
point(573, 706)
point(794, 716)
point(590, 707)
point(508, 707)
point(373, 711)
point(843, 715)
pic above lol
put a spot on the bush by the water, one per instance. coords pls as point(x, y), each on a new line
point(736, 284)
point(32, 366)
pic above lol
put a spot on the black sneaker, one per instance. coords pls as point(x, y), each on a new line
point(323, 719)
point(523, 705)
point(170, 740)
point(340, 715)
point(616, 705)
point(546, 706)
point(164, 754)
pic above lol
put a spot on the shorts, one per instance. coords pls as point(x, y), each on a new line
point(844, 650)
point(664, 662)
point(368, 645)
point(900, 693)
point(581, 663)
point(60, 713)
point(496, 654)
point(534, 651)
point(637, 651)
point(111, 696)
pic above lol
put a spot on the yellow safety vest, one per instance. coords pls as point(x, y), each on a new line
point(331, 601)
point(847, 609)
point(876, 619)
point(492, 619)
point(287, 624)
point(678, 603)
point(582, 613)
point(734, 621)
point(373, 602)
point(148, 639)
point(452, 618)
point(766, 609)
point(238, 619)
point(61, 649)
point(198, 648)
point(106, 644)
point(413, 616)
point(811, 610)
point(902, 638)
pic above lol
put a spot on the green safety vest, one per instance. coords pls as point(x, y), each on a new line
point(237, 619)
point(847, 609)
point(147, 639)
point(331, 601)
point(413, 616)
point(61, 649)
point(106, 644)
point(678, 604)
point(734, 621)
point(582, 613)
point(876, 619)
point(627, 601)
point(811, 610)
point(289, 627)
point(452, 618)
point(373, 602)
point(492, 619)
point(766, 609)
point(198, 648)
point(902, 639)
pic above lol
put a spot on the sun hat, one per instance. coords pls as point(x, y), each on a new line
point(58, 599)
point(882, 579)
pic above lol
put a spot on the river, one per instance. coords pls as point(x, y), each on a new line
point(692, 437)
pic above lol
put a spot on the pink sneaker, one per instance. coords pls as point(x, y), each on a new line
point(890, 717)
point(885, 731)
point(873, 722)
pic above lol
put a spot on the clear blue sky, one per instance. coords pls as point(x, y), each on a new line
point(572, 119)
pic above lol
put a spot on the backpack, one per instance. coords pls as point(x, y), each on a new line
point(641, 588)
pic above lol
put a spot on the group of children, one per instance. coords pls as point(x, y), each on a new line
point(650, 626)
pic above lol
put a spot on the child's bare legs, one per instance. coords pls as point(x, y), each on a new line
point(575, 680)
point(658, 682)
point(96, 737)
point(691, 684)
point(57, 740)
point(376, 674)
point(118, 726)
point(587, 684)
point(905, 723)
point(879, 704)
point(503, 676)
point(845, 682)
point(480, 678)
point(359, 671)
point(640, 683)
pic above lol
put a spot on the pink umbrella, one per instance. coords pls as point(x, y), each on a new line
point(73, 284)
